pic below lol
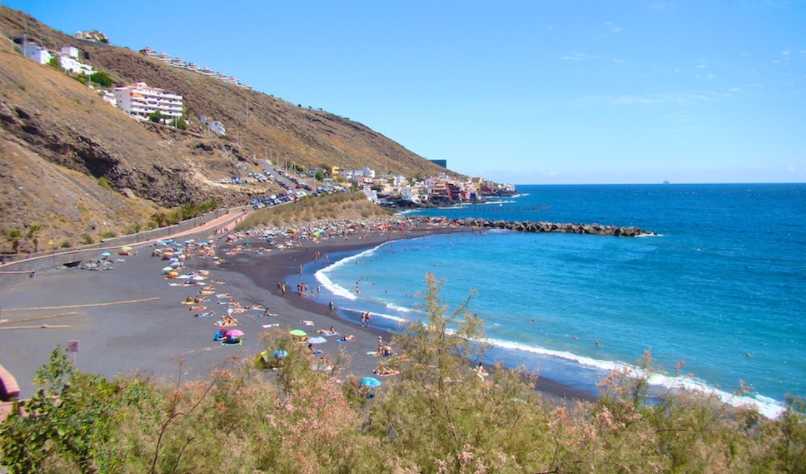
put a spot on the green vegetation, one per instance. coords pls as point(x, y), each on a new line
point(14, 236)
point(101, 78)
point(320, 175)
point(187, 211)
point(54, 63)
point(440, 415)
point(65, 244)
point(104, 182)
point(108, 234)
point(155, 116)
point(33, 235)
point(179, 123)
point(331, 206)
point(87, 239)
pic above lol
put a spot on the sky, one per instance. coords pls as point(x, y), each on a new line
point(522, 92)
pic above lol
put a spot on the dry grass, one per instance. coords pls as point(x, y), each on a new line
point(343, 206)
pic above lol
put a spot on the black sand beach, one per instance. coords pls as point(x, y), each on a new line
point(131, 320)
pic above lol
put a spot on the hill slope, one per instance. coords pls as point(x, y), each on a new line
point(59, 127)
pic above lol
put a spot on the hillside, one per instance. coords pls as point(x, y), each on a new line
point(57, 127)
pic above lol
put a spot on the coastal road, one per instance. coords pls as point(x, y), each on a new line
point(224, 223)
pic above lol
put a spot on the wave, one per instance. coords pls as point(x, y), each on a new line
point(401, 309)
point(519, 195)
point(490, 203)
point(390, 317)
point(334, 288)
point(764, 405)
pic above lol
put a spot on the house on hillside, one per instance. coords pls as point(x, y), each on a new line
point(69, 62)
point(36, 53)
point(140, 100)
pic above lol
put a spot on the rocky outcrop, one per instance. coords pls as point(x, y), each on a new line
point(548, 227)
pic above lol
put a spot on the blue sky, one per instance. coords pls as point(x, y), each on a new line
point(524, 92)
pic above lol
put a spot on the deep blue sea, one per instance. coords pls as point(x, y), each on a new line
point(721, 291)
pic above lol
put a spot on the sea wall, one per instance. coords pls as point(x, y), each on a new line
point(553, 227)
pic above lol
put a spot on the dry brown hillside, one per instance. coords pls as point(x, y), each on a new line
point(55, 130)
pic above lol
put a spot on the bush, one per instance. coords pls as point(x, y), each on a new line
point(187, 211)
point(54, 63)
point(108, 234)
point(440, 415)
point(155, 116)
point(104, 182)
point(87, 239)
point(65, 244)
point(101, 78)
point(179, 123)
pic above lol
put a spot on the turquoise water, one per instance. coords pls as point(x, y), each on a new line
point(721, 291)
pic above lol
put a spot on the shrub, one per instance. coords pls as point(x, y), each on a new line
point(179, 123)
point(104, 182)
point(54, 63)
point(65, 244)
point(155, 116)
point(87, 239)
point(108, 234)
point(101, 78)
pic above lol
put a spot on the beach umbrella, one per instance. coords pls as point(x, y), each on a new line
point(280, 354)
point(106, 254)
point(370, 382)
point(298, 333)
point(167, 269)
point(317, 340)
point(235, 333)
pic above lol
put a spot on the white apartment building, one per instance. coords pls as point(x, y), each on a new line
point(36, 53)
point(139, 100)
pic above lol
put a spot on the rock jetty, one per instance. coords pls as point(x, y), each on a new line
point(546, 227)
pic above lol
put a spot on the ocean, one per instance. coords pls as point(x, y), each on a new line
point(718, 297)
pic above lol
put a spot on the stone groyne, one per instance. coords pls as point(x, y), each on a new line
point(553, 227)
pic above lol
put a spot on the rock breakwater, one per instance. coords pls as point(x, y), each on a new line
point(553, 227)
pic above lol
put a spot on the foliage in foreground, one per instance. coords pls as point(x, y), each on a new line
point(353, 205)
point(440, 416)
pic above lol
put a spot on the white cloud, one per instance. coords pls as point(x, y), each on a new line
point(576, 57)
point(662, 98)
point(612, 27)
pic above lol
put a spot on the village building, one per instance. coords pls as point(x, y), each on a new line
point(36, 53)
point(139, 100)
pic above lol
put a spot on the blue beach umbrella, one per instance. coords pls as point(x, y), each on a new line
point(280, 354)
point(370, 382)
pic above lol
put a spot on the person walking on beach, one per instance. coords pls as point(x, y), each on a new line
point(332, 307)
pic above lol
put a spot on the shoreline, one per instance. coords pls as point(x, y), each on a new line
point(279, 265)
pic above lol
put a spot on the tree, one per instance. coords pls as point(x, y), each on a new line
point(54, 63)
point(155, 116)
point(320, 176)
point(33, 235)
point(14, 235)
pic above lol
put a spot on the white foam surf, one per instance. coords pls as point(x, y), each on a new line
point(333, 287)
point(764, 405)
point(390, 317)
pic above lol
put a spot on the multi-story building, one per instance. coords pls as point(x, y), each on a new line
point(139, 100)
point(36, 52)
